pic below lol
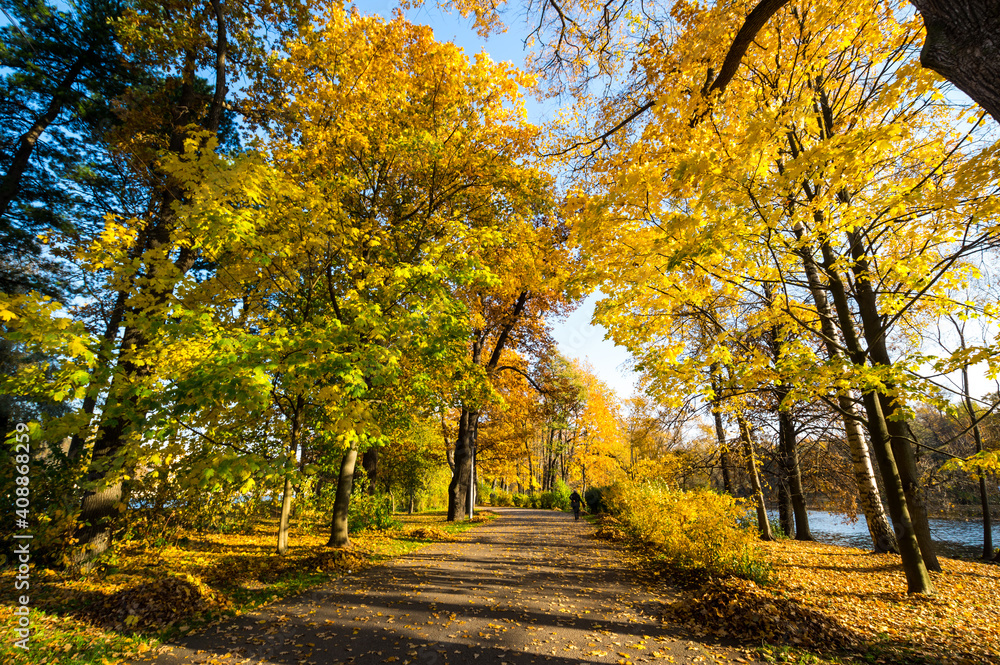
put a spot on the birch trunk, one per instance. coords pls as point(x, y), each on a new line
point(763, 524)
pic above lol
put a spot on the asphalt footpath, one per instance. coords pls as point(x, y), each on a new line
point(533, 586)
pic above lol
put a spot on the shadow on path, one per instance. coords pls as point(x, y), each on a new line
point(529, 587)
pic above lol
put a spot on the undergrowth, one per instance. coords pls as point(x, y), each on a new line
point(697, 534)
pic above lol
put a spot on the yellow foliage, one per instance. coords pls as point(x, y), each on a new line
point(696, 530)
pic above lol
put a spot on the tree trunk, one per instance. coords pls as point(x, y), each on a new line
point(763, 524)
point(984, 501)
point(286, 512)
point(468, 426)
point(787, 438)
point(474, 485)
point(458, 489)
point(787, 434)
point(549, 460)
point(963, 46)
point(295, 428)
point(101, 508)
point(10, 186)
point(883, 538)
point(724, 464)
point(984, 498)
point(786, 518)
point(900, 436)
point(531, 469)
point(341, 505)
point(720, 432)
point(917, 578)
point(449, 451)
point(98, 514)
point(895, 421)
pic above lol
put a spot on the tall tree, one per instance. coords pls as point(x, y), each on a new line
point(63, 68)
point(833, 148)
point(538, 280)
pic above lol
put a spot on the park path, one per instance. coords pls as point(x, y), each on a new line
point(533, 586)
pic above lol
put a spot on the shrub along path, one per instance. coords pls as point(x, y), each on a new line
point(531, 587)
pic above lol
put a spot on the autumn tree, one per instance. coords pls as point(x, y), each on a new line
point(345, 293)
point(140, 135)
point(536, 266)
point(175, 42)
point(607, 446)
point(408, 460)
point(510, 423)
point(594, 42)
point(805, 154)
point(555, 420)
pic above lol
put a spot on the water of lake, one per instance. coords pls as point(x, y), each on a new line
point(955, 538)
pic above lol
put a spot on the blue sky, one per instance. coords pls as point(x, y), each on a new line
point(577, 337)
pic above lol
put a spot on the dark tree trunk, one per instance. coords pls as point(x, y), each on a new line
point(10, 186)
point(458, 489)
point(788, 435)
point(550, 463)
point(883, 538)
point(468, 426)
point(963, 46)
point(724, 464)
point(900, 436)
point(341, 505)
point(792, 475)
point(896, 424)
point(101, 508)
point(917, 578)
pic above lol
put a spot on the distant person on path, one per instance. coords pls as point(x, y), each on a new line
point(574, 500)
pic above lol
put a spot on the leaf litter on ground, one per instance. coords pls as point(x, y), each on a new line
point(145, 593)
point(840, 599)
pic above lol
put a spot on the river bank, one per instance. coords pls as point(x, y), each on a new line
point(956, 538)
